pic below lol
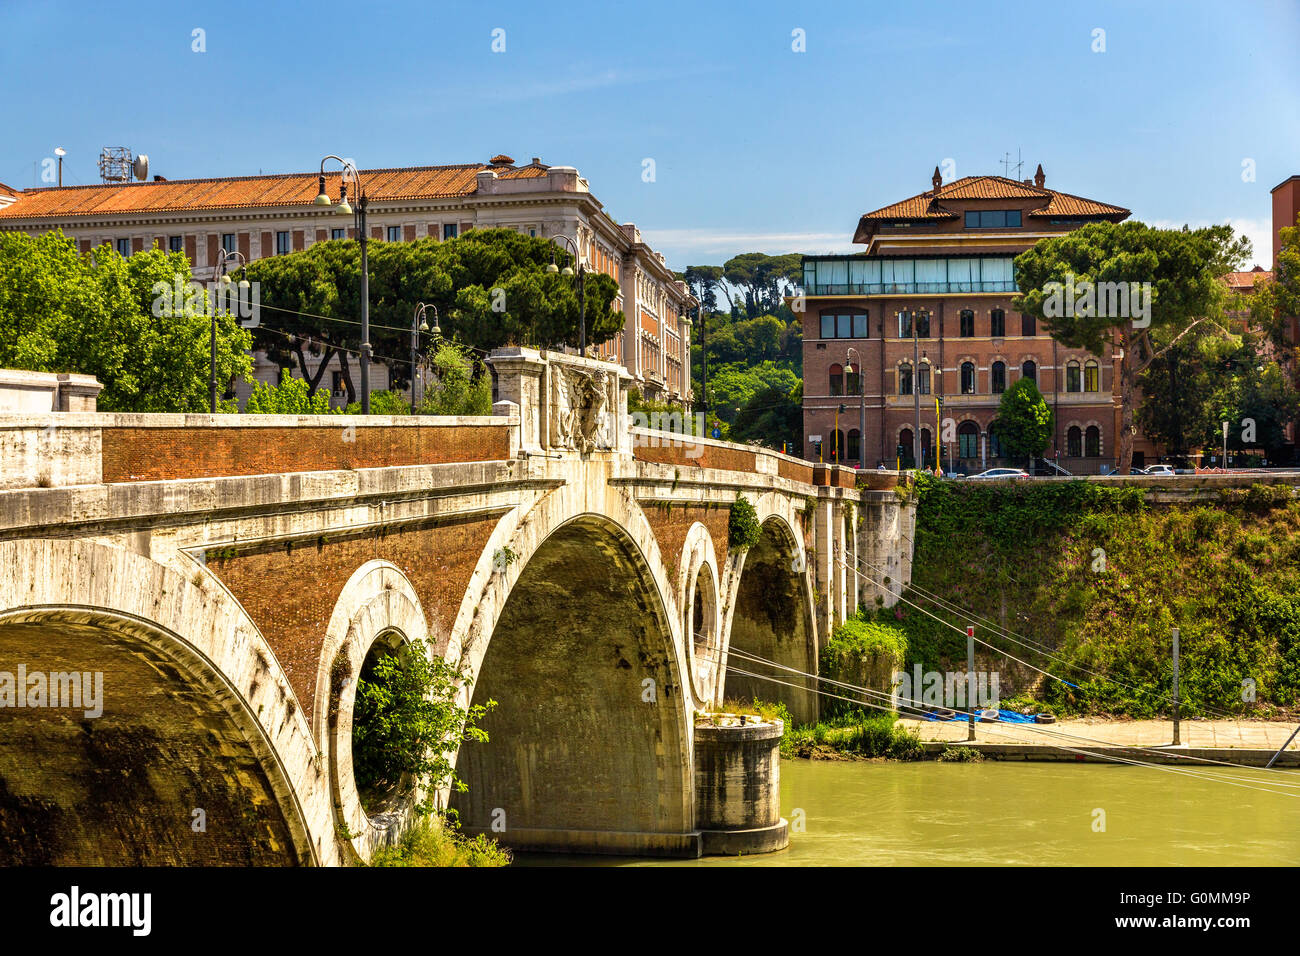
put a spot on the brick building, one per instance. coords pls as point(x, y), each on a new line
point(941, 262)
point(261, 216)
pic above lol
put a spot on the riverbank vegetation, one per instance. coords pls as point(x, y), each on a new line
point(435, 841)
point(856, 734)
point(1097, 576)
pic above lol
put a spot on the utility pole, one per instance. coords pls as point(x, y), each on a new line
point(970, 681)
point(1177, 702)
point(916, 391)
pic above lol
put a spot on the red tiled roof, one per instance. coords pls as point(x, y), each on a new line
point(930, 205)
point(1245, 281)
point(293, 189)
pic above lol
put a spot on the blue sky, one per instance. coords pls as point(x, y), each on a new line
point(755, 146)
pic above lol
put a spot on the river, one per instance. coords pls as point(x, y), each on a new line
point(859, 813)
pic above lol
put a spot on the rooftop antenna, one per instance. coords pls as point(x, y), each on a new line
point(1019, 165)
point(117, 165)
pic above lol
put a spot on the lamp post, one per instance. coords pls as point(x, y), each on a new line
point(418, 325)
point(582, 300)
point(916, 389)
point(345, 209)
point(221, 273)
point(840, 410)
point(862, 417)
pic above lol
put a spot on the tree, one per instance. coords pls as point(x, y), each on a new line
point(732, 386)
point(104, 315)
point(1273, 304)
point(1257, 401)
point(1024, 423)
point(763, 280)
point(490, 288)
point(292, 396)
point(458, 390)
point(773, 417)
point(1156, 286)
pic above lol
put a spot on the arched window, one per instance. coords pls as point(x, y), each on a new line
point(1074, 442)
point(999, 376)
point(968, 378)
point(905, 379)
point(836, 451)
point(1029, 370)
point(837, 380)
point(1092, 442)
point(923, 325)
point(853, 451)
point(906, 450)
point(852, 380)
point(968, 440)
point(927, 455)
point(923, 379)
point(1091, 377)
point(1072, 381)
point(998, 324)
point(995, 446)
point(967, 323)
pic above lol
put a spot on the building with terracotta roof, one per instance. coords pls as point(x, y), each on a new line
point(941, 261)
point(270, 215)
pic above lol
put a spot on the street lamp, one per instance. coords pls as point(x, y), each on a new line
point(582, 299)
point(221, 273)
point(345, 209)
point(862, 418)
point(418, 325)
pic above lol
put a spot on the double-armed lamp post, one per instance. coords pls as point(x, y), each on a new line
point(581, 273)
point(221, 273)
point(345, 209)
point(420, 324)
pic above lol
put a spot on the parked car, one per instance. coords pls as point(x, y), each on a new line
point(1158, 470)
point(1001, 473)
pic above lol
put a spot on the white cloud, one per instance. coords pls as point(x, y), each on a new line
point(1258, 231)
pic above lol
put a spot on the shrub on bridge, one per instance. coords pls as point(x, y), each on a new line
point(744, 530)
point(862, 652)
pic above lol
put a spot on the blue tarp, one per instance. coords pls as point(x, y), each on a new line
point(1004, 716)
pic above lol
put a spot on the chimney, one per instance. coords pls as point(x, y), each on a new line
point(1039, 176)
point(936, 179)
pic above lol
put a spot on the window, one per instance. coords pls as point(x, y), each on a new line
point(828, 326)
point(1091, 377)
point(338, 233)
point(967, 323)
point(394, 234)
point(846, 326)
point(905, 325)
point(449, 230)
point(227, 242)
point(837, 380)
point(906, 447)
point(993, 219)
point(923, 325)
point(281, 243)
point(998, 324)
point(1029, 370)
point(968, 440)
point(1072, 380)
point(853, 449)
point(995, 446)
point(968, 378)
point(1028, 325)
point(905, 379)
point(998, 375)
point(176, 243)
point(124, 247)
point(926, 457)
point(923, 379)
point(1074, 442)
point(852, 381)
point(1092, 442)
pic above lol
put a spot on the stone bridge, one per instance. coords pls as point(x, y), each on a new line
point(229, 576)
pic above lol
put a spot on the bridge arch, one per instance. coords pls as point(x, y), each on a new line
point(200, 754)
point(699, 585)
point(771, 616)
point(578, 641)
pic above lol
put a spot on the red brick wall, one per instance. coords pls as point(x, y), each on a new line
point(671, 524)
point(152, 454)
point(794, 472)
point(729, 459)
point(290, 592)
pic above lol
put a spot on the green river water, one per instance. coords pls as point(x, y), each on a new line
point(858, 813)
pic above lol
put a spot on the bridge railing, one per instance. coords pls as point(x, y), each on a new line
point(58, 449)
point(668, 448)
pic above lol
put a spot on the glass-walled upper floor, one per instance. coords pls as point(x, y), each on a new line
point(859, 275)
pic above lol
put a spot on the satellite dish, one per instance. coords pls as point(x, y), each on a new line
point(141, 167)
point(60, 151)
